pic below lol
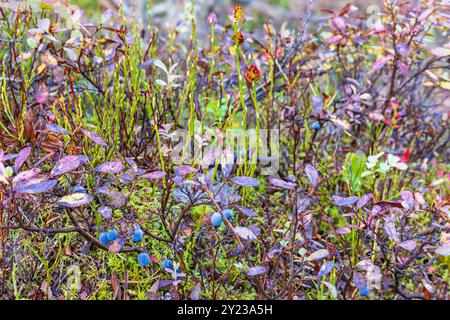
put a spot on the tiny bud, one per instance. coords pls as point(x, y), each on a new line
point(212, 19)
point(253, 74)
point(9, 172)
point(238, 38)
point(238, 13)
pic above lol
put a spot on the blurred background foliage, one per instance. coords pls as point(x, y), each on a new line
point(275, 9)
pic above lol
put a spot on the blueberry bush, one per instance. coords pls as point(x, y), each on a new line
point(119, 179)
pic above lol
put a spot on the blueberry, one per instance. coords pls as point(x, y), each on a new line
point(364, 292)
point(167, 264)
point(112, 234)
point(228, 214)
point(138, 234)
point(316, 126)
point(78, 189)
point(103, 238)
point(144, 259)
point(216, 219)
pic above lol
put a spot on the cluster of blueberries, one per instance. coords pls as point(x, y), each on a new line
point(144, 260)
point(137, 235)
point(216, 217)
point(106, 237)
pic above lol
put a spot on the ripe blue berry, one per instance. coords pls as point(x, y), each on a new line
point(228, 214)
point(112, 234)
point(167, 264)
point(138, 234)
point(316, 126)
point(144, 259)
point(103, 238)
point(216, 219)
point(364, 292)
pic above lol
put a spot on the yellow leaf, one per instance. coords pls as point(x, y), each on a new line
point(445, 85)
point(41, 69)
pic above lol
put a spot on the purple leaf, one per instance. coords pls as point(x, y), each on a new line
point(339, 24)
point(358, 280)
point(226, 170)
point(53, 127)
point(25, 176)
point(420, 199)
point(332, 289)
point(246, 181)
point(443, 251)
point(365, 265)
point(379, 63)
point(256, 271)
point(408, 199)
point(317, 103)
point(125, 178)
point(226, 162)
point(21, 158)
point(155, 175)
point(303, 204)
point(340, 201)
point(318, 255)
point(273, 252)
point(75, 200)
point(245, 233)
point(68, 164)
point(248, 212)
point(402, 49)
point(7, 157)
point(184, 170)
point(281, 184)
point(112, 167)
point(44, 158)
point(408, 245)
point(343, 230)
point(43, 25)
point(326, 268)
point(94, 137)
point(3, 173)
point(105, 212)
point(132, 164)
point(195, 294)
point(255, 230)
point(363, 200)
point(312, 174)
point(404, 69)
point(118, 199)
point(38, 187)
point(210, 156)
point(334, 39)
point(390, 229)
